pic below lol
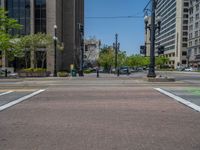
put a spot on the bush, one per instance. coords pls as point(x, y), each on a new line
point(87, 71)
point(34, 70)
point(63, 74)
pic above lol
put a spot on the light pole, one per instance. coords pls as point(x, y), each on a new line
point(152, 27)
point(116, 46)
point(55, 49)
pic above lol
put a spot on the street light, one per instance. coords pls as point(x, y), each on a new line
point(152, 27)
point(55, 49)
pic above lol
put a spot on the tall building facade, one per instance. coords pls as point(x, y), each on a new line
point(41, 16)
point(174, 30)
point(194, 34)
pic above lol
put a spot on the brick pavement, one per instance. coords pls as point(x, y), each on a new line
point(73, 117)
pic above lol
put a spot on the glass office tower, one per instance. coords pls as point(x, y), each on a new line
point(41, 16)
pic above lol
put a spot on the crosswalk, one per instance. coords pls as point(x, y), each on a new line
point(9, 98)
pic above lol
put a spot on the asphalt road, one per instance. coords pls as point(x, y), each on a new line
point(97, 114)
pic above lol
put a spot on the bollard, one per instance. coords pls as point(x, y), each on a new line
point(97, 70)
point(118, 72)
point(6, 73)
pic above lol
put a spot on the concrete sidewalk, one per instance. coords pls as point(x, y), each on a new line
point(99, 118)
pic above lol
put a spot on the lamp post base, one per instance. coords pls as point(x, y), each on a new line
point(81, 73)
point(151, 73)
point(55, 74)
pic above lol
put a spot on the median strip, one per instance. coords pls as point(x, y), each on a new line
point(5, 93)
point(179, 99)
point(20, 100)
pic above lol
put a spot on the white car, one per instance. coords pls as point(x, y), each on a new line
point(189, 69)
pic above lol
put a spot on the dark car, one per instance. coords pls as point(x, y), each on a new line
point(124, 70)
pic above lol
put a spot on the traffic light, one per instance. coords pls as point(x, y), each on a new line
point(81, 28)
point(143, 50)
point(161, 50)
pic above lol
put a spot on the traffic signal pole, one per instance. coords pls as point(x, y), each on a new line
point(151, 72)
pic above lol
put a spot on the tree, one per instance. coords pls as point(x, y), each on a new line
point(161, 61)
point(106, 58)
point(8, 44)
point(33, 43)
point(122, 57)
point(137, 61)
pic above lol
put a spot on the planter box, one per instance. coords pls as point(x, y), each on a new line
point(33, 74)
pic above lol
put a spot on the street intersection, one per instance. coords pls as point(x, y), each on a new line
point(107, 113)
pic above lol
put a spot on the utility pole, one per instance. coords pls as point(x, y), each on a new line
point(116, 46)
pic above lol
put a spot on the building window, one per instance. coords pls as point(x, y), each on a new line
point(196, 25)
point(196, 42)
point(195, 51)
point(40, 16)
point(197, 17)
point(196, 33)
point(184, 53)
point(197, 7)
point(20, 10)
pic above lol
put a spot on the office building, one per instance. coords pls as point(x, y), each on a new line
point(194, 34)
point(92, 50)
point(174, 30)
point(41, 16)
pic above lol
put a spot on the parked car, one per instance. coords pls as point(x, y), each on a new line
point(124, 70)
point(189, 69)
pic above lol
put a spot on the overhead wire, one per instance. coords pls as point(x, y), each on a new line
point(114, 17)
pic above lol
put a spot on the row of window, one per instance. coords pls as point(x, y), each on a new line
point(194, 51)
point(194, 42)
point(20, 10)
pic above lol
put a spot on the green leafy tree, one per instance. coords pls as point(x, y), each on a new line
point(33, 42)
point(8, 44)
point(161, 61)
point(106, 58)
point(137, 61)
point(122, 57)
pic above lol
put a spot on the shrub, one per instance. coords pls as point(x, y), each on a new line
point(87, 71)
point(34, 70)
point(63, 74)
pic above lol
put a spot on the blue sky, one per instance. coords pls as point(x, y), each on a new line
point(130, 30)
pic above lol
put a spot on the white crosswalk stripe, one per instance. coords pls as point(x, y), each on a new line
point(5, 93)
point(20, 99)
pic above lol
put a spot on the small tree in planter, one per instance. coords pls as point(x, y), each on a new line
point(34, 43)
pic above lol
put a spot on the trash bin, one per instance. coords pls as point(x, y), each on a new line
point(73, 73)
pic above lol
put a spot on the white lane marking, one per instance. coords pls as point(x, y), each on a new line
point(6, 93)
point(20, 100)
point(179, 99)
